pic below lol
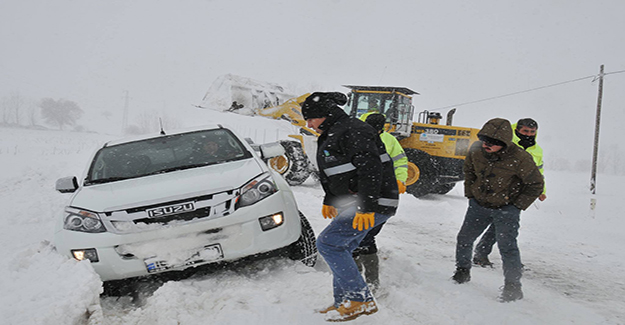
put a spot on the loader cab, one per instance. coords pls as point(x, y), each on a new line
point(394, 102)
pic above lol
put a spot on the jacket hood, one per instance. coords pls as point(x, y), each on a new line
point(499, 129)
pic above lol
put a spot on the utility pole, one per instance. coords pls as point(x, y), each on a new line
point(125, 113)
point(595, 149)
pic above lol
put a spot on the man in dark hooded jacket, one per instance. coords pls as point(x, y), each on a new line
point(501, 179)
point(360, 193)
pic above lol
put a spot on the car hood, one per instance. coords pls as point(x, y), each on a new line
point(172, 186)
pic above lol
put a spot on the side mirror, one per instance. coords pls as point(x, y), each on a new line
point(67, 184)
point(271, 150)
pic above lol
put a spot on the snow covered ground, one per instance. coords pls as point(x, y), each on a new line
point(574, 262)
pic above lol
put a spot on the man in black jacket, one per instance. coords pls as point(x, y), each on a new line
point(360, 192)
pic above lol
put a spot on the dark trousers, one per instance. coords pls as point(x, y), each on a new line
point(506, 223)
point(485, 246)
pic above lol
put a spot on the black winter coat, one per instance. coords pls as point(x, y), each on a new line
point(354, 166)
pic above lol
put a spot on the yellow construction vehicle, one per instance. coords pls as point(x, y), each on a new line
point(435, 152)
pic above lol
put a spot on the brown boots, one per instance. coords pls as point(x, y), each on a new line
point(349, 310)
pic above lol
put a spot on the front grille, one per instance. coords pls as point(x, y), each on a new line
point(214, 205)
point(147, 207)
point(184, 216)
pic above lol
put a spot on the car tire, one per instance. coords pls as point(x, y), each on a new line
point(305, 248)
point(421, 173)
point(293, 165)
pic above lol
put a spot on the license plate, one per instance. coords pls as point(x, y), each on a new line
point(207, 254)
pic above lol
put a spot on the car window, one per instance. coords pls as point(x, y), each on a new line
point(165, 154)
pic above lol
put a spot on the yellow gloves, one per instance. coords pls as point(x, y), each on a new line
point(401, 187)
point(329, 211)
point(366, 219)
point(361, 220)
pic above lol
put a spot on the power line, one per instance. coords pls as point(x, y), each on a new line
point(528, 90)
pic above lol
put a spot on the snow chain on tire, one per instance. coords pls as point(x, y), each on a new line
point(305, 248)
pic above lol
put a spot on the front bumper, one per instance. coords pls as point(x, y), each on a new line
point(238, 235)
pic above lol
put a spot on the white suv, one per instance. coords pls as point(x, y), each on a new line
point(172, 201)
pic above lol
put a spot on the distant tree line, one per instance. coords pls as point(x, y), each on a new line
point(17, 111)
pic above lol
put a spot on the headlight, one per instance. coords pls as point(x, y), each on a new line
point(256, 190)
point(86, 254)
point(272, 221)
point(82, 220)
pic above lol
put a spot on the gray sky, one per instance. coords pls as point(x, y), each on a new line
point(167, 53)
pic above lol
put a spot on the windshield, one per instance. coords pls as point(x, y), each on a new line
point(362, 102)
point(165, 154)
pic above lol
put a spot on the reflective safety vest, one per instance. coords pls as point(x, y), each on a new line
point(536, 151)
point(364, 116)
point(400, 160)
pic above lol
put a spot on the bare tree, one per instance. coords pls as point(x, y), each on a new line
point(5, 110)
point(60, 112)
point(16, 103)
point(32, 114)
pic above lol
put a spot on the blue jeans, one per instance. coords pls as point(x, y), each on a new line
point(506, 223)
point(336, 244)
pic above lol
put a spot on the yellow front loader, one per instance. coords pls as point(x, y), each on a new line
point(435, 152)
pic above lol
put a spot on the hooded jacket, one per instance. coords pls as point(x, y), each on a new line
point(354, 166)
point(508, 176)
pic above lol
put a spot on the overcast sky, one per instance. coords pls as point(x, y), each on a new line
point(167, 53)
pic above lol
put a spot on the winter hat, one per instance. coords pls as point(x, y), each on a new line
point(528, 122)
point(376, 120)
point(320, 104)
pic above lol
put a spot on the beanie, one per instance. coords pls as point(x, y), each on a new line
point(376, 120)
point(320, 104)
point(528, 122)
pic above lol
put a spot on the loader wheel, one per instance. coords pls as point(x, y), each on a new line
point(421, 173)
point(293, 165)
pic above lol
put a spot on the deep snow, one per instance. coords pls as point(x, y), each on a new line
point(574, 261)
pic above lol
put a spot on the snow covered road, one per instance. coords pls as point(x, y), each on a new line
point(574, 262)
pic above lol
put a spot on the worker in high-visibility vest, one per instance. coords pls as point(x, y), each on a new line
point(366, 254)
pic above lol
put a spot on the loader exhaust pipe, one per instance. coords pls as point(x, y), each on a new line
point(450, 116)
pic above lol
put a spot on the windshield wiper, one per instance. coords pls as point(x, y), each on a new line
point(173, 169)
point(105, 180)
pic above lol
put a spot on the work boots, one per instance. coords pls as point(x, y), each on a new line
point(511, 292)
point(462, 275)
point(349, 310)
point(326, 310)
point(482, 261)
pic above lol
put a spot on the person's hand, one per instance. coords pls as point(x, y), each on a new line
point(328, 211)
point(542, 197)
point(401, 187)
point(363, 220)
